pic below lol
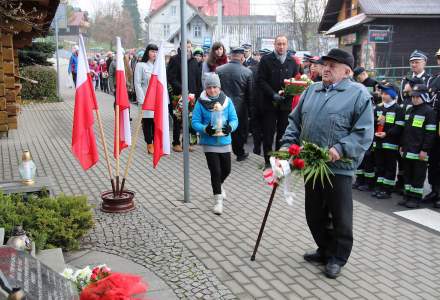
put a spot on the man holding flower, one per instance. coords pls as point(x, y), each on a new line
point(335, 114)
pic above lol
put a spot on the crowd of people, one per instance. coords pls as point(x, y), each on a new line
point(390, 134)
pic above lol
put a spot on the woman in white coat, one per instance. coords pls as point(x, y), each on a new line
point(142, 75)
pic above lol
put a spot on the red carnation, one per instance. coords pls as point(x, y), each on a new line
point(294, 150)
point(298, 76)
point(298, 163)
point(94, 276)
point(95, 270)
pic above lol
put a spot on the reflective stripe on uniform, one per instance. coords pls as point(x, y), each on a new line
point(415, 156)
point(369, 175)
point(390, 146)
point(430, 127)
point(400, 123)
point(389, 182)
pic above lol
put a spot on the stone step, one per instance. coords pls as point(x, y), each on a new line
point(53, 258)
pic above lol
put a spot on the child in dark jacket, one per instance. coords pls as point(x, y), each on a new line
point(417, 140)
point(389, 119)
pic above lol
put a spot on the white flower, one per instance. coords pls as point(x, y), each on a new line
point(67, 273)
point(83, 274)
point(304, 77)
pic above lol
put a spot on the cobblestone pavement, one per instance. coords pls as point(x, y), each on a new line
point(200, 254)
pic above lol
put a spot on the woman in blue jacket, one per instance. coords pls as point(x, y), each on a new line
point(217, 148)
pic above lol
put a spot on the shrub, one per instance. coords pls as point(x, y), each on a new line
point(37, 54)
point(50, 222)
point(45, 89)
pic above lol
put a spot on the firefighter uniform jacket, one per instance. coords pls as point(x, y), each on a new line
point(393, 127)
point(419, 132)
point(406, 99)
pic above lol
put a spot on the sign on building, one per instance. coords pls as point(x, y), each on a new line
point(207, 41)
point(379, 36)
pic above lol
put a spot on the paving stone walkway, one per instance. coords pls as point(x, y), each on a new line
point(201, 255)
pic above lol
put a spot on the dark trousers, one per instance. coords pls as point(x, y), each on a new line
point(333, 235)
point(219, 165)
point(74, 78)
point(104, 85)
point(148, 129)
point(177, 127)
point(414, 177)
point(256, 124)
point(386, 164)
point(434, 165)
point(239, 136)
point(275, 121)
point(369, 168)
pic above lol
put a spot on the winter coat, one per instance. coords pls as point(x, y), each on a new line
point(201, 118)
point(207, 68)
point(236, 82)
point(142, 76)
point(174, 76)
point(73, 64)
point(341, 117)
point(271, 75)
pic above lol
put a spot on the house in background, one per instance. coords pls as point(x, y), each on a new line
point(382, 33)
point(77, 23)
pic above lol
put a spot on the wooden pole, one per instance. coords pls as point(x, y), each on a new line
point(132, 149)
point(117, 149)
point(274, 189)
point(104, 143)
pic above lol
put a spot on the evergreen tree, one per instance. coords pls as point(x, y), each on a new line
point(131, 6)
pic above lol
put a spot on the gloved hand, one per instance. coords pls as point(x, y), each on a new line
point(277, 97)
point(209, 130)
point(227, 129)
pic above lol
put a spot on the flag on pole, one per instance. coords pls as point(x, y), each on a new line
point(156, 99)
point(122, 101)
point(83, 137)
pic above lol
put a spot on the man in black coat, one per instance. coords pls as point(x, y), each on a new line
point(272, 71)
point(236, 82)
point(174, 77)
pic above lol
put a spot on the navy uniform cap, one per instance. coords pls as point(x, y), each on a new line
point(246, 46)
point(238, 50)
point(417, 55)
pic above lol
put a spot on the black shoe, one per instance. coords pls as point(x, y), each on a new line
point(383, 195)
point(431, 197)
point(375, 193)
point(403, 201)
point(365, 188)
point(267, 165)
point(315, 256)
point(412, 203)
point(242, 157)
point(256, 151)
point(437, 204)
point(332, 270)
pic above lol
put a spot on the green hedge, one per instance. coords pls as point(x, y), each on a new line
point(50, 222)
point(45, 89)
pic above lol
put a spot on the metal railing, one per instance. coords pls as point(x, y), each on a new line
point(397, 73)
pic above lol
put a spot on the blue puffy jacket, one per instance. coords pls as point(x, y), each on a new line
point(201, 117)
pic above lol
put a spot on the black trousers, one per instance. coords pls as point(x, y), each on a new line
point(148, 129)
point(239, 136)
point(369, 168)
point(434, 165)
point(74, 78)
point(333, 235)
point(257, 131)
point(414, 177)
point(386, 165)
point(219, 165)
point(275, 121)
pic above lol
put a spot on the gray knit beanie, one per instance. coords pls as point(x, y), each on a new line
point(212, 79)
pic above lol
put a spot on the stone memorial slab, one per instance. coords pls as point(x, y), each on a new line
point(38, 281)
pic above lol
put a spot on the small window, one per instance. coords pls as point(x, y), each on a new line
point(197, 31)
point(173, 10)
point(166, 30)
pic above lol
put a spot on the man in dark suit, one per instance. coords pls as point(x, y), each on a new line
point(272, 71)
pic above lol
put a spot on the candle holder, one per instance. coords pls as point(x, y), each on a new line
point(27, 168)
point(218, 120)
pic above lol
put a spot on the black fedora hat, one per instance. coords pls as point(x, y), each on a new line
point(340, 56)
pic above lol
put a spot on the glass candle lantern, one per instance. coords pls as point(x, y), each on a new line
point(27, 168)
point(217, 120)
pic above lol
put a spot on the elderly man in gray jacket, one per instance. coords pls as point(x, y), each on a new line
point(336, 113)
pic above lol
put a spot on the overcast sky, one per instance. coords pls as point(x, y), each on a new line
point(259, 7)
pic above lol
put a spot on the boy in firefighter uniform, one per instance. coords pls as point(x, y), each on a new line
point(390, 122)
point(417, 140)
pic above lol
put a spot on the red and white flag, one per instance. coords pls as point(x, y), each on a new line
point(122, 101)
point(156, 99)
point(83, 137)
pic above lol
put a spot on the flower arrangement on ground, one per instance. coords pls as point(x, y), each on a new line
point(100, 283)
point(177, 103)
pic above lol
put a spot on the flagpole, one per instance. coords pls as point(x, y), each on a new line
point(117, 149)
point(103, 141)
point(185, 127)
point(132, 149)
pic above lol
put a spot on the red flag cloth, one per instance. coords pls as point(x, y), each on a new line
point(83, 137)
point(122, 101)
point(157, 99)
point(116, 286)
point(295, 101)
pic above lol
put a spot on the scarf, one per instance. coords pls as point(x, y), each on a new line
point(218, 62)
point(281, 58)
point(209, 102)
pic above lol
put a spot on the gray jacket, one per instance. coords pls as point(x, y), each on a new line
point(340, 118)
